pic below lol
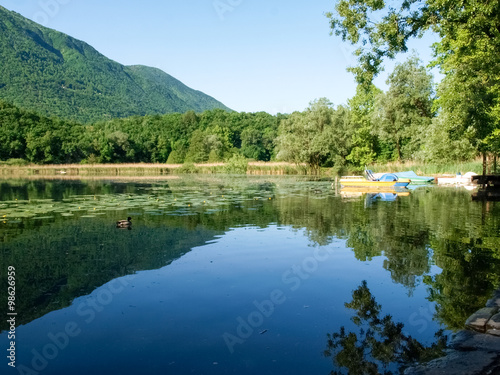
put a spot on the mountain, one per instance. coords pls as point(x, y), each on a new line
point(56, 75)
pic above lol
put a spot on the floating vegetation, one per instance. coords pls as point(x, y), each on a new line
point(181, 197)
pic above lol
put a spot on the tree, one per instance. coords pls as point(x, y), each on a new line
point(468, 53)
point(252, 145)
point(404, 113)
point(364, 141)
point(305, 136)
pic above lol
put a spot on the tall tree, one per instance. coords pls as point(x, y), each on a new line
point(305, 136)
point(468, 52)
point(404, 113)
point(361, 108)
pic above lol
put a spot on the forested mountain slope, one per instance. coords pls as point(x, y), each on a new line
point(56, 75)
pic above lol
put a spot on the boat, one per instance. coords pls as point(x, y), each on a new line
point(412, 176)
point(459, 179)
point(384, 181)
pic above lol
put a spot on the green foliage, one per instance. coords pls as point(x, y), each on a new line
point(237, 164)
point(364, 142)
point(313, 136)
point(14, 162)
point(403, 114)
point(56, 75)
point(174, 138)
point(187, 168)
point(468, 55)
point(175, 158)
point(438, 146)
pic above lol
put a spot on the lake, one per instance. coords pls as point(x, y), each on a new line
point(236, 275)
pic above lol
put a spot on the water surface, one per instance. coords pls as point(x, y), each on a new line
point(231, 275)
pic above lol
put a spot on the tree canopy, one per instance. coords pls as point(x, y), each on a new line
point(467, 53)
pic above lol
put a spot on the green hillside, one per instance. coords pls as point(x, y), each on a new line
point(54, 74)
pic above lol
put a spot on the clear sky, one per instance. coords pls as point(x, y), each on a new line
point(252, 55)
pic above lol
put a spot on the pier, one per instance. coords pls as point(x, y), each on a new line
point(490, 187)
point(487, 181)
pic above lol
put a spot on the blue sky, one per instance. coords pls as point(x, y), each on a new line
point(252, 55)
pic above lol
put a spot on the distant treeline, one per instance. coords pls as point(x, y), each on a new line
point(400, 124)
point(213, 135)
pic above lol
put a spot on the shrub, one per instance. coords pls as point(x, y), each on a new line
point(237, 164)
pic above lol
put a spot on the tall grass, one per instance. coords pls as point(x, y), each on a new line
point(142, 169)
point(430, 169)
point(16, 169)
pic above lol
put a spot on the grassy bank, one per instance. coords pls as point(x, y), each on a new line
point(142, 169)
point(232, 166)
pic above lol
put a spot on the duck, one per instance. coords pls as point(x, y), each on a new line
point(124, 223)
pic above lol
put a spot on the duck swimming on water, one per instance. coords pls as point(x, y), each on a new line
point(124, 223)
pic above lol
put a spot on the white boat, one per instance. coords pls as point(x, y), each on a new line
point(459, 179)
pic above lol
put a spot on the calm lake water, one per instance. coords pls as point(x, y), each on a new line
point(231, 275)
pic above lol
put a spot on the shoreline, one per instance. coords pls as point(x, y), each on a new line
point(144, 169)
point(161, 169)
point(474, 350)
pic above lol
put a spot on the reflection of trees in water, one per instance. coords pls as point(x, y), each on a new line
point(470, 271)
point(380, 346)
point(434, 226)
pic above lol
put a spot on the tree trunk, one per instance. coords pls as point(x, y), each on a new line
point(398, 148)
point(484, 163)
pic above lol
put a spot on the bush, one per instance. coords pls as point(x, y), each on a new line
point(237, 164)
point(187, 168)
point(14, 162)
point(175, 158)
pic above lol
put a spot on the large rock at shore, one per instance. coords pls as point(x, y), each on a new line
point(479, 319)
point(470, 353)
point(493, 325)
point(468, 341)
point(456, 363)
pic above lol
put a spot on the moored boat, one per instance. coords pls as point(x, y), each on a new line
point(412, 176)
point(386, 180)
point(459, 179)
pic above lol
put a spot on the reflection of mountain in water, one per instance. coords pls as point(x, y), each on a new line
point(59, 262)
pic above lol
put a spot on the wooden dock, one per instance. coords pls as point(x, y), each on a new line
point(487, 181)
point(490, 188)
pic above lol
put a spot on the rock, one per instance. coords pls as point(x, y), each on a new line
point(460, 337)
point(478, 320)
point(494, 323)
point(456, 363)
point(494, 332)
point(473, 341)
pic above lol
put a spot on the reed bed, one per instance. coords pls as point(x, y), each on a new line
point(139, 170)
point(75, 171)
